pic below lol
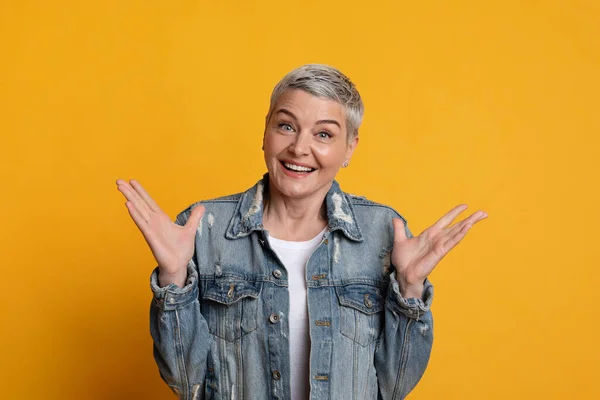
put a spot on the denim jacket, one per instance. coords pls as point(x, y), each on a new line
point(225, 335)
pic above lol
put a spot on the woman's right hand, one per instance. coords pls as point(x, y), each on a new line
point(172, 245)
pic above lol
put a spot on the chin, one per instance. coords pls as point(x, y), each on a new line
point(295, 190)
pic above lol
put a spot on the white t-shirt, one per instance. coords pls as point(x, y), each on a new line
point(294, 256)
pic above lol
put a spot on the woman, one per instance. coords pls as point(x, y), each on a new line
point(294, 288)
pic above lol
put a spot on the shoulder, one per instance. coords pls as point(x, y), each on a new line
point(372, 216)
point(218, 205)
point(370, 208)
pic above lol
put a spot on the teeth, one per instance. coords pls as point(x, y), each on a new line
point(297, 167)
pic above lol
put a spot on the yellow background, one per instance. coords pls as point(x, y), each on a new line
point(494, 104)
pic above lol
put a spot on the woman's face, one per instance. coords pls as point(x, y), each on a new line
point(305, 144)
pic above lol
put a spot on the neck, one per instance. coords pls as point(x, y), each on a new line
point(294, 219)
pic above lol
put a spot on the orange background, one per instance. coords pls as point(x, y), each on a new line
point(494, 104)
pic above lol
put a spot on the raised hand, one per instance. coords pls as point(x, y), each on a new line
point(416, 257)
point(172, 245)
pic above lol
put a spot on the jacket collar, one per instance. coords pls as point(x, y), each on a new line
point(248, 214)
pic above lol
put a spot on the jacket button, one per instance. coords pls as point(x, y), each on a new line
point(274, 318)
point(277, 274)
point(276, 375)
point(368, 302)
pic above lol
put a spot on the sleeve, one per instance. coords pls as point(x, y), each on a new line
point(403, 351)
point(180, 334)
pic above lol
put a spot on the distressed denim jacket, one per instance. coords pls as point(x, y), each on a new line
point(225, 335)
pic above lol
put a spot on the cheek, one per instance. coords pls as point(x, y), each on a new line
point(273, 145)
point(328, 155)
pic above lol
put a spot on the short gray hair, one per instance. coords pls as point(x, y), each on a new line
point(327, 82)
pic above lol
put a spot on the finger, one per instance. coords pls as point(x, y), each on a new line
point(195, 216)
point(449, 217)
point(456, 238)
point(399, 230)
point(143, 226)
point(135, 198)
point(472, 219)
point(141, 223)
point(478, 216)
point(145, 196)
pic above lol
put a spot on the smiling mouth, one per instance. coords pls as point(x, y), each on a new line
point(297, 168)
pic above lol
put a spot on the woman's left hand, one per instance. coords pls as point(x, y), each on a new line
point(415, 258)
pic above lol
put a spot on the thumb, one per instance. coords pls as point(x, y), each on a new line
point(399, 231)
point(195, 217)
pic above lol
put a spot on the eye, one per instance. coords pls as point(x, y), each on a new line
point(286, 127)
point(323, 135)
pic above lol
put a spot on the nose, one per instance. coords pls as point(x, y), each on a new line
point(300, 146)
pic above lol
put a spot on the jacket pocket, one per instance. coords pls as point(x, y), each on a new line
point(230, 308)
point(361, 307)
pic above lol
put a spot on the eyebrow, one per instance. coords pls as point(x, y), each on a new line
point(322, 121)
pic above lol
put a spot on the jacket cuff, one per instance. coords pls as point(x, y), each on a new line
point(411, 307)
point(172, 297)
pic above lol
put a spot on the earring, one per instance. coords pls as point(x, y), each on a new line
point(345, 164)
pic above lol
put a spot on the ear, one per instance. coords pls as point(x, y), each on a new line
point(351, 146)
